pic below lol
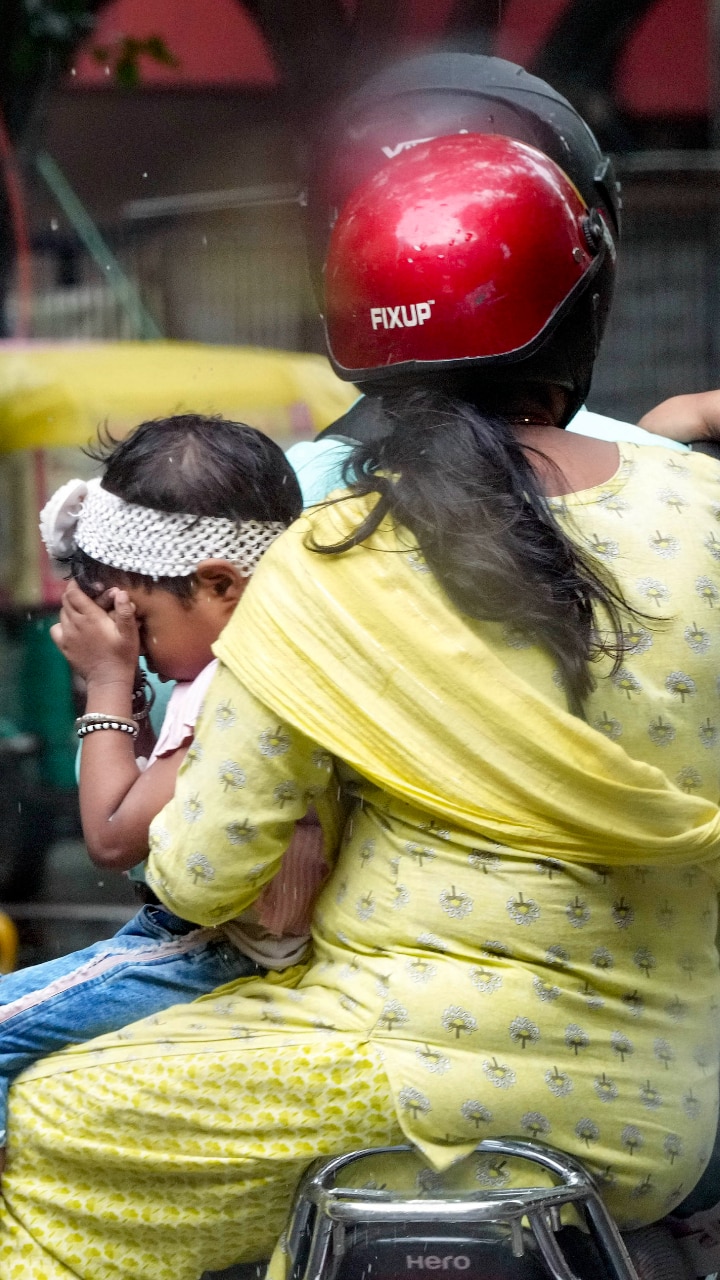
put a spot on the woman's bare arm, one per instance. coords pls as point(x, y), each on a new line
point(224, 833)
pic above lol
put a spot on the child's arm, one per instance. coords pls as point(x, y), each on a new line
point(117, 801)
point(115, 816)
point(688, 417)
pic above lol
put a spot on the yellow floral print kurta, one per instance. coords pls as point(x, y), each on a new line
point(519, 934)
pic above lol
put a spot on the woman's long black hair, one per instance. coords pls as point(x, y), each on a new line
point(461, 483)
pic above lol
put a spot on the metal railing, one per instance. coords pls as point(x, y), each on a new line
point(222, 267)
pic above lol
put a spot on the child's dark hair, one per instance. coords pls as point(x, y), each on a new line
point(203, 466)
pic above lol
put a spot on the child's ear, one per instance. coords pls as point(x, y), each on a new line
point(221, 578)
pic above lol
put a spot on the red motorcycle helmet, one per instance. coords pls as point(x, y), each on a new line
point(434, 95)
point(467, 253)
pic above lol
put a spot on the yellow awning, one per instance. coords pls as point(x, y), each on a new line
point(56, 396)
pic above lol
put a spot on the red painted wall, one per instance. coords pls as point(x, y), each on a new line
point(664, 71)
point(666, 66)
point(214, 40)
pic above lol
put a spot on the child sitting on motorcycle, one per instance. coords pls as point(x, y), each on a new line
point(159, 553)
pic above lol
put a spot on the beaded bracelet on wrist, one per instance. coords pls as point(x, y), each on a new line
point(93, 721)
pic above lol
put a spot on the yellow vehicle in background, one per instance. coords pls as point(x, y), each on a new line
point(53, 399)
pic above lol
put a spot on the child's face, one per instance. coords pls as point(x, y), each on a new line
point(176, 636)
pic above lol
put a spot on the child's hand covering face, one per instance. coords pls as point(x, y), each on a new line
point(100, 643)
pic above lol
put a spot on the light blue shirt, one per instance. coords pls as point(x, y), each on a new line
point(318, 465)
point(586, 423)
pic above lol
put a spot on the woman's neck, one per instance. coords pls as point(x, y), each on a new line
point(563, 461)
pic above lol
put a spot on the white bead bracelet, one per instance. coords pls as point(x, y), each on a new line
point(95, 720)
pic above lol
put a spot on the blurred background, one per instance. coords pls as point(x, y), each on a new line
point(152, 158)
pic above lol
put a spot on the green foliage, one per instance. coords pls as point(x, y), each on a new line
point(124, 58)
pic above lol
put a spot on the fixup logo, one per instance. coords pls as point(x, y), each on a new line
point(401, 317)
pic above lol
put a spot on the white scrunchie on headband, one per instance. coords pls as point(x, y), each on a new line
point(157, 544)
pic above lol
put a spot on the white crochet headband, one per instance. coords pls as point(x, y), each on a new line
point(157, 544)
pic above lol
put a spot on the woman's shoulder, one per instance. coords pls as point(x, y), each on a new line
point(647, 480)
point(646, 459)
point(681, 482)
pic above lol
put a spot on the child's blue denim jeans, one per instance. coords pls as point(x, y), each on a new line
point(155, 961)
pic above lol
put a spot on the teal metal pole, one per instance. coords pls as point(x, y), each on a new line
point(96, 245)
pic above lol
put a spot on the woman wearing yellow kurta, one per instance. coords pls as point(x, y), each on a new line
point(518, 936)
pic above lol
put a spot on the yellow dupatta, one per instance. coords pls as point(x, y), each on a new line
point(365, 655)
